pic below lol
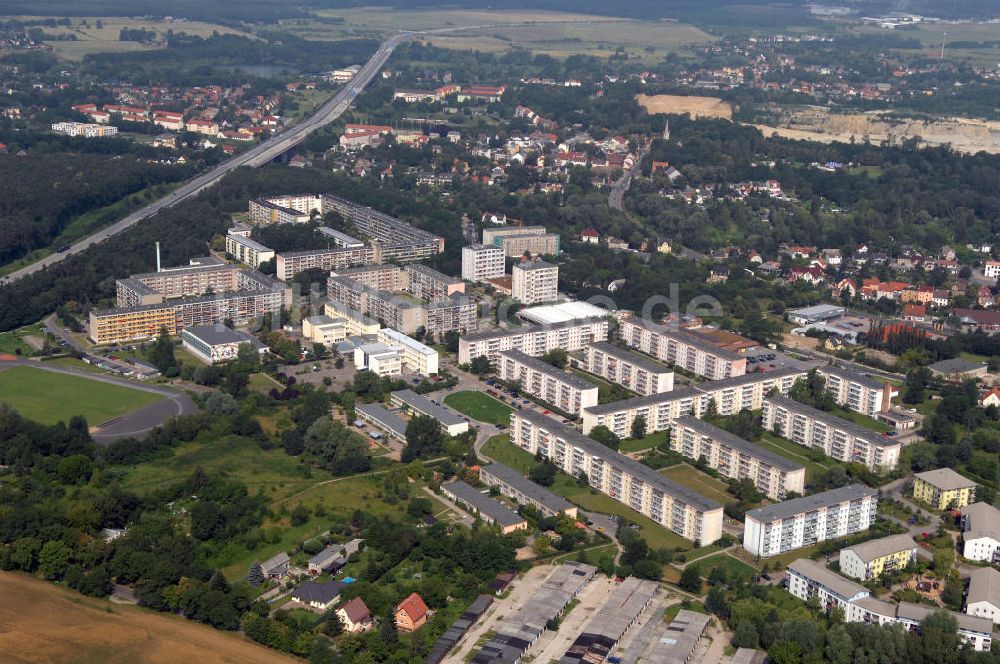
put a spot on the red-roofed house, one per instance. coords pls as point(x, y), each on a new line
point(915, 312)
point(411, 614)
point(990, 397)
point(354, 615)
point(590, 235)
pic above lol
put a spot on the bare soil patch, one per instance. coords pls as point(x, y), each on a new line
point(696, 107)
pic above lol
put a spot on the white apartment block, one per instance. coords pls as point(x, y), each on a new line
point(247, 251)
point(836, 437)
point(264, 211)
point(872, 559)
point(808, 578)
point(801, 522)
point(747, 392)
point(983, 598)
point(357, 323)
point(290, 263)
point(639, 487)
point(981, 532)
point(630, 370)
point(566, 391)
point(417, 357)
point(533, 340)
point(735, 458)
point(681, 348)
point(535, 282)
point(659, 411)
point(482, 261)
point(430, 284)
point(324, 330)
point(991, 269)
point(84, 129)
point(855, 391)
point(519, 240)
point(380, 359)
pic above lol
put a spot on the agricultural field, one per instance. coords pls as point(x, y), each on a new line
point(699, 482)
point(697, 107)
point(480, 407)
point(104, 39)
point(45, 623)
point(49, 397)
point(552, 33)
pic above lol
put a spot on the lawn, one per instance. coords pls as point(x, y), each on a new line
point(733, 566)
point(792, 452)
point(480, 407)
point(646, 442)
point(861, 420)
point(502, 450)
point(14, 342)
point(606, 392)
point(49, 397)
point(699, 482)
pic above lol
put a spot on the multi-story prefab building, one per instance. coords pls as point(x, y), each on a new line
point(379, 277)
point(417, 357)
point(735, 458)
point(482, 261)
point(515, 485)
point(358, 324)
point(631, 483)
point(793, 524)
point(836, 437)
point(856, 391)
point(872, 559)
point(265, 211)
point(290, 263)
point(339, 239)
point(658, 410)
point(981, 532)
point(533, 340)
point(516, 241)
point(943, 489)
point(808, 578)
point(747, 392)
point(630, 370)
point(247, 251)
point(567, 392)
point(393, 238)
point(430, 284)
point(201, 276)
point(455, 312)
point(534, 282)
point(681, 348)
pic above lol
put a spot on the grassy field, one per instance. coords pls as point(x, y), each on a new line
point(45, 623)
point(644, 443)
point(502, 450)
point(793, 452)
point(861, 420)
point(733, 566)
point(480, 407)
point(606, 392)
point(553, 33)
point(48, 397)
point(14, 342)
point(699, 482)
point(91, 39)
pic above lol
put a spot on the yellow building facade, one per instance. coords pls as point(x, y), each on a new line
point(944, 489)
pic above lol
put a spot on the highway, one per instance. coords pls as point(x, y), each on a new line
point(257, 156)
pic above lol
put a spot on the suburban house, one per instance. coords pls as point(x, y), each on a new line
point(318, 595)
point(326, 560)
point(411, 614)
point(983, 598)
point(354, 615)
point(276, 567)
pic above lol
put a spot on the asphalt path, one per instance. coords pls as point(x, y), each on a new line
point(135, 424)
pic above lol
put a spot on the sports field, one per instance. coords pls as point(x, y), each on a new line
point(699, 482)
point(480, 407)
point(45, 623)
point(48, 397)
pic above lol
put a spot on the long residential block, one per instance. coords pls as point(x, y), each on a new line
point(808, 578)
point(451, 422)
point(735, 458)
point(681, 348)
point(630, 370)
point(657, 410)
point(247, 251)
point(533, 340)
point(631, 483)
point(489, 510)
point(856, 391)
point(793, 524)
point(747, 392)
point(566, 391)
point(836, 437)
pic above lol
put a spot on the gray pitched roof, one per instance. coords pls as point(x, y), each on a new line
point(814, 571)
point(833, 421)
point(872, 549)
point(483, 504)
point(527, 487)
point(311, 591)
point(984, 586)
point(954, 365)
point(981, 519)
point(945, 479)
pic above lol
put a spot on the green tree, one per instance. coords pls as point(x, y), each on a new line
point(639, 426)
point(557, 357)
point(543, 473)
point(161, 353)
point(333, 625)
point(24, 553)
point(53, 559)
point(690, 579)
point(424, 438)
point(605, 436)
point(481, 366)
point(745, 635)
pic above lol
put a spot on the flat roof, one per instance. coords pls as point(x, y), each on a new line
point(547, 369)
point(341, 237)
point(483, 503)
point(955, 365)
point(945, 479)
point(247, 242)
point(685, 337)
point(529, 266)
point(564, 311)
point(323, 319)
point(633, 467)
point(536, 492)
point(749, 378)
point(817, 310)
point(383, 419)
point(737, 443)
point(833, 421)
point(633, 358)
point(528, 329)
point(885, 546)
point(676, 641)
point(407, 341)
point(353, 314)
point(419, 402)
point(814, 571)
point(851, 375)
point(218, 334)
point(677, 394)
point(790, 508)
